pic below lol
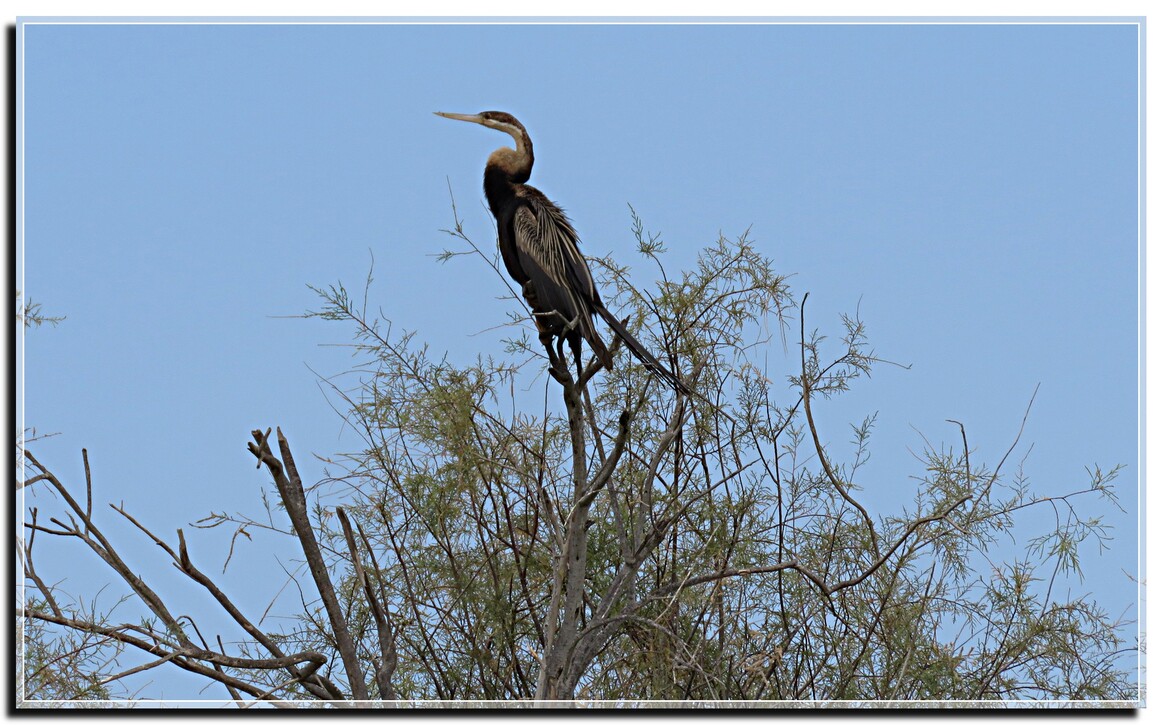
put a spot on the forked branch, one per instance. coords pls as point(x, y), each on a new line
point(286, 477)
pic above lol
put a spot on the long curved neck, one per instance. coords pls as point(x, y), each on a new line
point(505, 169)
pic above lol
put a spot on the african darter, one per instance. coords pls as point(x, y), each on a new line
point(540, 251)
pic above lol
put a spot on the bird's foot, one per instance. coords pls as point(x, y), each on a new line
point(555, 320)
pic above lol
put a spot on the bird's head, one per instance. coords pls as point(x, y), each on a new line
point(498, 120)
point(492, 119)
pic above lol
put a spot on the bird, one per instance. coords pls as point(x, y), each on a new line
point(540, 250)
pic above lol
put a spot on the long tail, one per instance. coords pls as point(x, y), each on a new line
point(641, 352)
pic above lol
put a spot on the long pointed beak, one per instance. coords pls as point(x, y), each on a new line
point(476, 118)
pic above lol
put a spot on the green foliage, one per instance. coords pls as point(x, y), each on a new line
point(770, 580)
point(55, 664)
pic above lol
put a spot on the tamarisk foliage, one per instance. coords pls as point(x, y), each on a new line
point(613, 539)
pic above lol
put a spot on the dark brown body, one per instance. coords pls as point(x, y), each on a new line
point(553, 275)
point(540, 251)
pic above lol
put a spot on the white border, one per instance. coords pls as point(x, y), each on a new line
point(65, 13)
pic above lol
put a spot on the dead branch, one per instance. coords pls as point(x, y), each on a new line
point(387, 664)
point(188, 656)
point(290, 487)
point(172, 646)
point(316, 684)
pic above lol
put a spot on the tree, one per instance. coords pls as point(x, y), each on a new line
point(633, 543)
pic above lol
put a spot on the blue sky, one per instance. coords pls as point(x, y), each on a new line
point(973, 187)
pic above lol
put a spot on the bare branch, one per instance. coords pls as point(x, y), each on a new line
point(387, 643)
point(294, 500)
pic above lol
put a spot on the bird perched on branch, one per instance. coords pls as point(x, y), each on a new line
point(540, 251)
